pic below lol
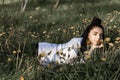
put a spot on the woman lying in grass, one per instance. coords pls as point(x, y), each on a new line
point(66, 53)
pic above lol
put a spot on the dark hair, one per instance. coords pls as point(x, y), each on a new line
point(96, 22)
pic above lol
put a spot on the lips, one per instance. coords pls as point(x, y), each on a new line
point(99, 42)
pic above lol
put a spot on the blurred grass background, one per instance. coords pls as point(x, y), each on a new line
point(41, 21)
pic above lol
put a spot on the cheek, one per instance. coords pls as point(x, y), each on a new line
point(91, 38)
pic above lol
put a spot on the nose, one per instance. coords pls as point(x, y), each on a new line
point(98, 37)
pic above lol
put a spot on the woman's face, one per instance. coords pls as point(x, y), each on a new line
point(95, 35)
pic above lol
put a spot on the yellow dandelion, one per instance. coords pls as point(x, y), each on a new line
point(71, 27)
point(84, 21)
point(111, 20)
point(107, 39)
point(114, 26)
point(59, 29)
point(32, 35)
point(2, 34)
point(118, 30)
point(18, 51)
point(116, 42)
point(9, 59)
point(14, 52)
point(74, 33)
point(37, 8)
point(103, 59)
point(77, 31)
point(81, 14)
point(30, 17)
point(87, 57)
point(44, 32)
point(87, 52)
point(22, 78)
point(111, 44)
point(117, 38)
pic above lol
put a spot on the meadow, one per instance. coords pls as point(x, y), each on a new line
point(21, 31)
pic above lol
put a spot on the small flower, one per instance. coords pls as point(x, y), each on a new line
point(9, 59)
point(14, 52)
point(87, 57)
point(71, 27)
point(103, 59)
point(118, 30)
point(44, 32)
point(111, 44)
point(18, 51)
point(59, 29)
point(22, 78)
point(81, 14)
point(2, 34)
point(86, 52)
point(117, 39)
point(37, 8)
point(116, 42)
point(114, 26)
point(30, 17)
point(111, 20)
point(107, 39)
point(74, 33)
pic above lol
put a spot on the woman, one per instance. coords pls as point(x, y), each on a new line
point(65, 53)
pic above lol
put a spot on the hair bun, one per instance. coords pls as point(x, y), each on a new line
point(96, 21)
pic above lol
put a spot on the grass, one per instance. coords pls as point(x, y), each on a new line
point(19, 32)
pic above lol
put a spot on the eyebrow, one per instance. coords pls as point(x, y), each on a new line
point(97, 32)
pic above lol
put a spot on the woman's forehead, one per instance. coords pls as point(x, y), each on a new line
point(96, 30)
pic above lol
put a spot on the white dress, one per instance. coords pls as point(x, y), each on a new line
point(58, 53)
